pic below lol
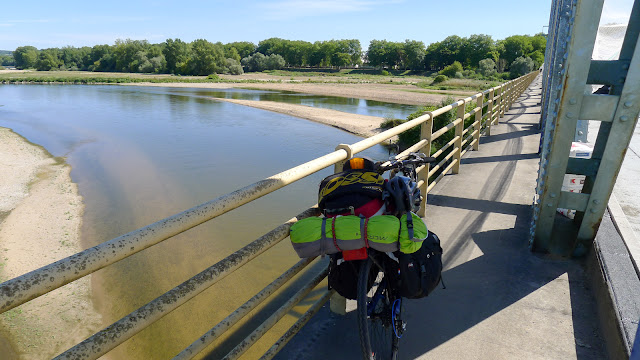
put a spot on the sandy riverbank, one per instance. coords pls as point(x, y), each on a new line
point(398, 94)
point(40, 218)
point(361, 125)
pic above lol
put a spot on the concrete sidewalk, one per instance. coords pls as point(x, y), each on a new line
point(501, 300)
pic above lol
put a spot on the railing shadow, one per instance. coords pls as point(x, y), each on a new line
point(476, 289)
point(532, 129)
point(486, 159)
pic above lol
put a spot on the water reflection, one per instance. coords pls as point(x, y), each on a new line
point(142, 154)
point(350, 105)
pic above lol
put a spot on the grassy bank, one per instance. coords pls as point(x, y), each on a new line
point(314, 76)
point(87, 77)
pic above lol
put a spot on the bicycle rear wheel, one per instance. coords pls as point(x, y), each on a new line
point(375, 304)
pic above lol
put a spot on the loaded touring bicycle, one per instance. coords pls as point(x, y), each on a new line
point(380, 251)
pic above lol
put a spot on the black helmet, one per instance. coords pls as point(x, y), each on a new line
point(403, 194)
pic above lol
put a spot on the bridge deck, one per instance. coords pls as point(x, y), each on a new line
point(501, 301)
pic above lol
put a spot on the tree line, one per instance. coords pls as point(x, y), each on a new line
point(201, 57)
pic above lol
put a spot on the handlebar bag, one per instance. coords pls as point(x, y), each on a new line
point(421, 271)
point(316, 236)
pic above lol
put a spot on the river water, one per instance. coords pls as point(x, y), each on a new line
point(140, 154)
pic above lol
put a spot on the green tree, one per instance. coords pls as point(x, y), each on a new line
point(487, 67)
point(233, 67)
point(48, 60)
point(126, 54)
point(537, 57)
point(451, 70)
point(73, 58)
point(340, 59)
point(274, 62)
point(101, 58)
point(355, 50)
point(539, 42)
point(206, 58)
point(327, 49)
point(255, 62)
point(25, 57)
point(377, 54)
point(476, 48)
point(7, 60)
point(176, 53)
point(415, 52)
point(232, 53)
point(297, 53)
point(521, 66)
point(451, 48)
point(315, 55)
point(244, 48)
point(516, 46)
point(271, 46)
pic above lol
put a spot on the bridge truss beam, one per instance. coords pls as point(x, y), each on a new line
point(573, 27)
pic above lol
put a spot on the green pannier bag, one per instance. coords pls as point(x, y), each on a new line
point(315, 236)
point(412, 233)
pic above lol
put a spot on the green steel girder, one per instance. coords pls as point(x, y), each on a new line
point(618, 113)
point(581, 40)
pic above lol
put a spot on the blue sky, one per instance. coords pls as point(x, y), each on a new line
point(46, 23)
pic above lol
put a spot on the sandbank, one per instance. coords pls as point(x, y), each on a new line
point(361, 125)
point(397, 94)
point(40, 218)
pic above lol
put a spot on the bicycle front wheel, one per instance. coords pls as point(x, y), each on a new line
point(375, 315)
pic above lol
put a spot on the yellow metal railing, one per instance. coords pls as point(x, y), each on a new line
point(26, 287)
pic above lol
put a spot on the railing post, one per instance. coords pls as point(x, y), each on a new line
point(514, 89)
point(425, 133)
point(520, 87)
point(514, 93)
point(490, 111)
point(338, 167)
point(507, 97)
point(458, 144)
point(498, 104)
point(478, 120)
point(503, 99)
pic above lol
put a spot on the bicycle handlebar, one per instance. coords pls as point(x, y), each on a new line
point(412, 160)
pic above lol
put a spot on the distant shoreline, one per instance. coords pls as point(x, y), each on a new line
point(383, 89)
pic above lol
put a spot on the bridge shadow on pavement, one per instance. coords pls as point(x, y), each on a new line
point(501, 300)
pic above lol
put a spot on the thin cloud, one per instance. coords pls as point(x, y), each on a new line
point(112, 19)
point(30, 21)
point(288, 9)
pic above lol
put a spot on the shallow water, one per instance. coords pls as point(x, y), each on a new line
point(140, 154)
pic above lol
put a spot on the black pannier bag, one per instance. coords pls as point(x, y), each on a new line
point(343, 278)
point(420, 272)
